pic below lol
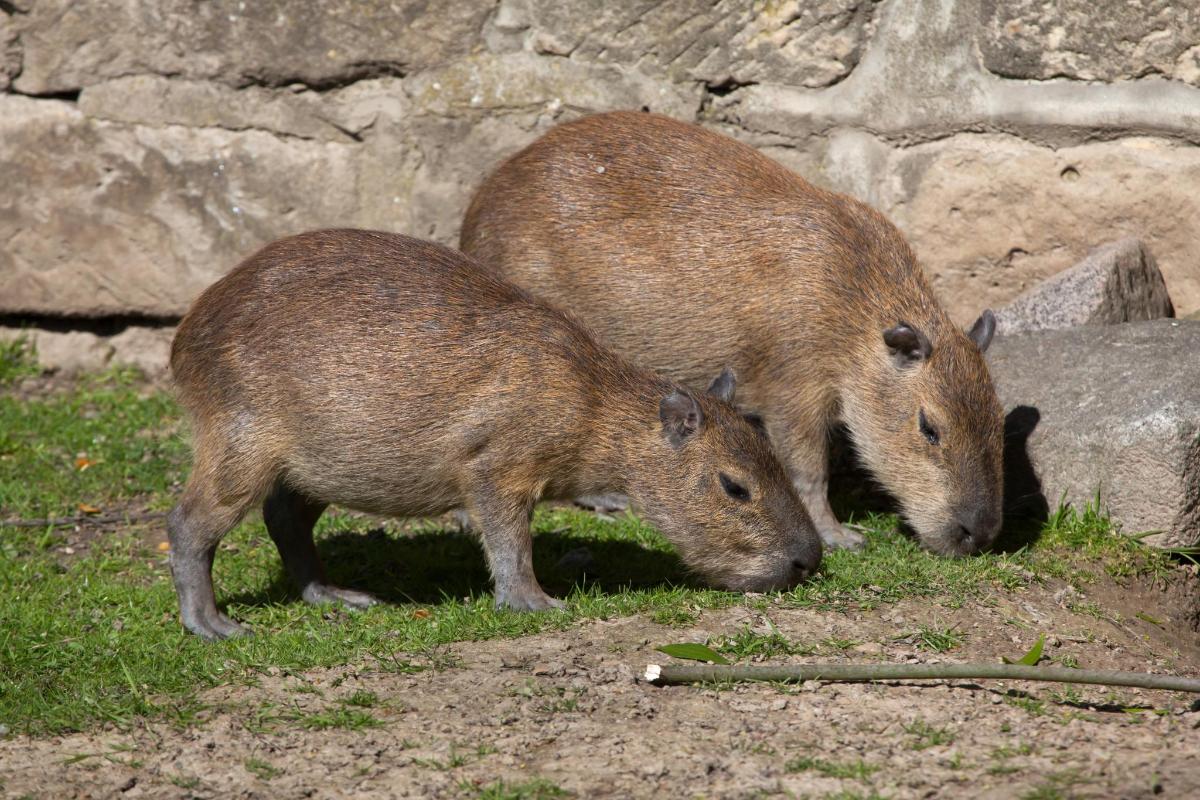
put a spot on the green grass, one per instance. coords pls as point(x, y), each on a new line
point(18, 358)
point(93, 637)
point(536, 789)
point(748, 643)
point(937, 639)
point(99, 446)
point(261, 769)
point(857, 770)
point(1055, 786)
point(926, 735)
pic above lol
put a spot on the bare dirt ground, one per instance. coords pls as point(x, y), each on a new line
point(568, 708)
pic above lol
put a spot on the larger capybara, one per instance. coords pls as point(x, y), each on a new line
point(686, 250)
point(397, 376)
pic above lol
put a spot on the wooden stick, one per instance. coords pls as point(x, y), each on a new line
point(95, 519)
point(792, 673)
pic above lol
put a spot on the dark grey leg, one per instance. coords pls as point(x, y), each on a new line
point(290, 517)
point(814, 493)
point(809, 462)
point(508, 543)
point(194, 528)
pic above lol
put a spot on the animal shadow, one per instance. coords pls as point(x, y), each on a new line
point(1025, 507)
point(430, 566)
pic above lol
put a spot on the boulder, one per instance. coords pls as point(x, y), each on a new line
point(1111, 409)
point(1117, 282)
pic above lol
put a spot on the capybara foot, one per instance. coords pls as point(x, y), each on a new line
point(531, 599)
point(215, 626)
point(603, 503)
point(317, 593)
point(839, 537)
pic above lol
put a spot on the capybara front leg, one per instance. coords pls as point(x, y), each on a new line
point(508, 543)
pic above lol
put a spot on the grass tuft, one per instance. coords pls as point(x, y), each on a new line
point(856, 770)
point(536, 789)
point(18, 359)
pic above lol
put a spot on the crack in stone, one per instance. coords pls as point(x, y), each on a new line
point(101, 325)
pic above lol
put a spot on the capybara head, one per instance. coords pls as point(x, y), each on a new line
point(932, 430)
point(739, 523)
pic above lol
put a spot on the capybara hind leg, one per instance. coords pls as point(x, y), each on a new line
point(508, 543)
point(194, 527)
point(290, 517)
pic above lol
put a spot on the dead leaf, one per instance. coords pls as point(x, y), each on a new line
point(421, 613)
point(87, 508)
point(83, 462)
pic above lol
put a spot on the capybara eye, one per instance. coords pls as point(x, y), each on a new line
point(734, 489)
point(927, 430)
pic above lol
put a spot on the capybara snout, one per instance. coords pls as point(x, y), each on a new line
point(399, 377)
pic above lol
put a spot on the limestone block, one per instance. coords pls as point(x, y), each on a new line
point(69, 45)
point(729, 42)
point(1091, 41)
point(100, 218)
point(77, 351)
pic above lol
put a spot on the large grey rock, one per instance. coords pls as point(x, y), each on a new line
point(1090, 40)
point(1116, 282)
point(1114, 409)
point(526, 82)
point(68, 45)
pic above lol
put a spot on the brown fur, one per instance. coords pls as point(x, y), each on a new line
point(396, 376)
point(686, 250)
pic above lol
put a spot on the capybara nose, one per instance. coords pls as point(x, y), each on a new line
point(801, 571)
point(976, 529)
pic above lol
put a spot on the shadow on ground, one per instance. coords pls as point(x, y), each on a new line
point(428, 567)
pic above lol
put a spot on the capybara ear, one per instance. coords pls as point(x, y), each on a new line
point(983, 330)
point(724, 385)
point(680, 415)
point(907, 344)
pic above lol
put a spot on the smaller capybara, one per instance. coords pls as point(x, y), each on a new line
point(684, 249)
point(399, 377)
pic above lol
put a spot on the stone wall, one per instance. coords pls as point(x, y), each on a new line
point(147, 145)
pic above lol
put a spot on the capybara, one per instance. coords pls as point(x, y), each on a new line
point(686, 250)
point(399, 377)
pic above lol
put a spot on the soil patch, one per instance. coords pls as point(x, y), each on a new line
point(566, 709)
